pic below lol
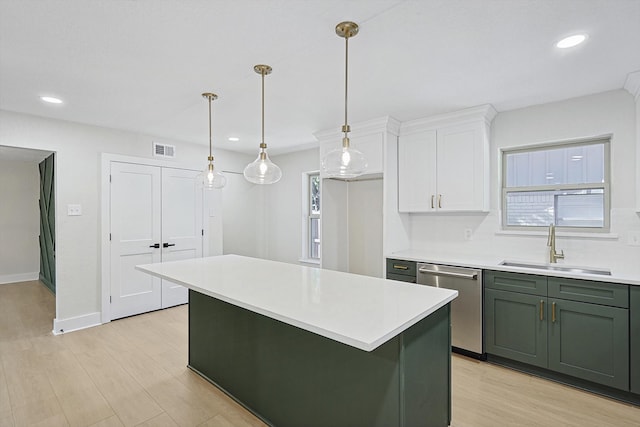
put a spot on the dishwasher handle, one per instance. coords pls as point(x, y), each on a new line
point(470, 276)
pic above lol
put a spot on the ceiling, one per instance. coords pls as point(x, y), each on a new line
point(141, 65)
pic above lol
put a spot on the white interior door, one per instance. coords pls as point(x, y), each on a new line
point(135, 229)
point(181, 226)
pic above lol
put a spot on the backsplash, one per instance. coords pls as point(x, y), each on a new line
point(447, 233)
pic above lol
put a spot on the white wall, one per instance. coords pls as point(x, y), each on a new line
point(243, 217)
point(365, 227)
point(19, 221)
point(352, 226)
point(334, 231)
point(78, 148)
point(283, 206)
point(605, 113)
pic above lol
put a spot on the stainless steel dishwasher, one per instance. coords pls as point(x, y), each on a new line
point(466, 309)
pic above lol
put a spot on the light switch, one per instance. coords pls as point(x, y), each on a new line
point(74, 210)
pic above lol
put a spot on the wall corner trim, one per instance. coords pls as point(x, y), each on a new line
point(61, 326)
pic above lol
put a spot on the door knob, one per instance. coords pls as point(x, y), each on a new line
point(166, 245)
point(155, 245)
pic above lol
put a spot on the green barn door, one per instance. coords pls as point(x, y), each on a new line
point(47, 225)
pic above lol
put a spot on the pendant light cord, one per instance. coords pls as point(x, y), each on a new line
point(346, 75)
point(210, 155)
point(263, 144)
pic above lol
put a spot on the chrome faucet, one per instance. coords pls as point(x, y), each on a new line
point(551, 242)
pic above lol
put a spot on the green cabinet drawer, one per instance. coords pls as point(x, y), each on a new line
point(613, 294)
point(401, 267)
point(634, 333)
point(516, 282)
point(589, 341)
point(516, 326)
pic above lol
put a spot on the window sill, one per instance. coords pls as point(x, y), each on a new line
point(570, 234)
point(311, 261)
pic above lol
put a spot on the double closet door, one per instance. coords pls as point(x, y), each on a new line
point(156, 216)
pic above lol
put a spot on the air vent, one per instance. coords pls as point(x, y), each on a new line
point(164, 150)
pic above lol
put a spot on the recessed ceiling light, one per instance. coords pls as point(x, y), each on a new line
point(571, 41)
point(51, 99)
point(234, 138)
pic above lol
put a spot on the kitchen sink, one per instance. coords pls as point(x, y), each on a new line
point(549, 267)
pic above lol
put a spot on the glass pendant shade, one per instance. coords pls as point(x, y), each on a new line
point(262, 170)
point(344, 162)
point(212, 179)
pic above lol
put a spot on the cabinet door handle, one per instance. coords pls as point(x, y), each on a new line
point(432, 198)
point(541, 309)
point(553, 312)
point(440, 201)
point(400, 267)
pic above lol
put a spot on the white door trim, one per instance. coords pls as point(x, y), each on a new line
point(105, 261)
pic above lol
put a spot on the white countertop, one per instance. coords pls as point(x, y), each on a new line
point(360, 311)
point(629, 275)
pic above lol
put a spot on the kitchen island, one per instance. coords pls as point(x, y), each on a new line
point(302, 346)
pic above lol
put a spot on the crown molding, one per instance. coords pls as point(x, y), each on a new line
point(632, 84)
point(485, 113)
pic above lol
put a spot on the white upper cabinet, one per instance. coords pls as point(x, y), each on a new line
point(443, 162)
point(416, 172)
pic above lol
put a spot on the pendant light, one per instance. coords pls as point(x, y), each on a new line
point(346, 161)
point(211, 178)
point(262, 170)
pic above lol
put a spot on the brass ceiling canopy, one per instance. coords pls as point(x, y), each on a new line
point(210, 96)
point(347, 29)
point(262, 69)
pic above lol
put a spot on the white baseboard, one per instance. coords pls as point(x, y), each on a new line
point(21, 277)
point(62, 326)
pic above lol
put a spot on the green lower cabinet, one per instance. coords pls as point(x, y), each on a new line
point(585, 329)
point(292, 377)
point(634, 313)
point(589, 341)
point(516, 327)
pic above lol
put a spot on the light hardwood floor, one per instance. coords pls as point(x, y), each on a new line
point(132, 372)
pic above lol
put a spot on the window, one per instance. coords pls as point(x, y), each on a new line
point(311, 217)
point(566, 185)
point(314, 216)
